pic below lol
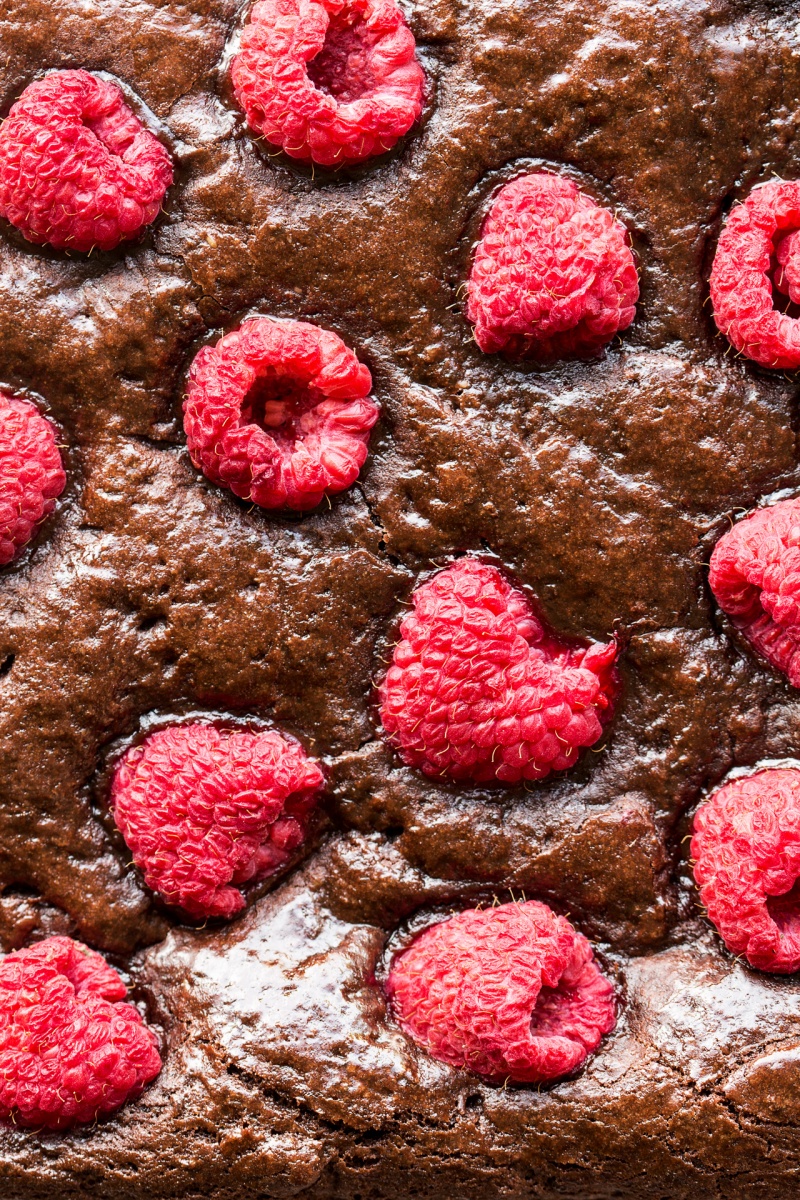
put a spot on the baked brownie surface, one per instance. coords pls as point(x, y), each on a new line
point(151, 595)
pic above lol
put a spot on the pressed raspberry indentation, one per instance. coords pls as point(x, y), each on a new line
point(553, 275)
point(746, 852)
point(329, 81)
point(279, 412)
point(511, 993)
point(205, 811)
point(70, 1051)
point(787, 274)
point(78, 169)
point(755, 577)
point(479, 691)
point(756, 253)
point(31, 473)
point(344, 68)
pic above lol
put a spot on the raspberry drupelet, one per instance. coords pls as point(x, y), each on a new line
point(553, 275)
point(479, 691)
point(70, 1050)
point(329, 81)
point(511, 993)
point(787, 275)
point(279, 412)
point(31, 473)
point(755, 577)
point(756, 250)
point(78, 169)
point(205, 811)
point(746, 852)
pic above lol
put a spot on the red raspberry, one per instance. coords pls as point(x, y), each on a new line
point(202, 809)
point(278, 412)
point(553, 274)
point(509, 993)
point(755, 576)
point(741, 277)
point(333, 81)
point(479, 691)
point(70, 1051)
point(77, 167)
point(787, 276)
point(31, 474)
point(746, 851)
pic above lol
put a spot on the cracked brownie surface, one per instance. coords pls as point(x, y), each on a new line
point(152, 596)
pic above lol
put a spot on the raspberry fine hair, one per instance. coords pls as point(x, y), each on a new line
point(746, 853)
point(78, 169)
point(480, 691)
point(205, 811)
point(756, 249)
point(70, 1050)
point(553, 275)
point(333, 82)
point(511, 993)
point(755, 577)
point(787, 274)
point(31, 473)
point(280, 413)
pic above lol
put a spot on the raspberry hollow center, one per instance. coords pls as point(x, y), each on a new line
point(551, 1012)
point(342, 68)
point(785, 272)
point(280, 406)
point(785, 912)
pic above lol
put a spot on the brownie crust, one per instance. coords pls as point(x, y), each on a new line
point(152, 596)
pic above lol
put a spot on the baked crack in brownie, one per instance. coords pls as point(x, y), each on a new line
point(400, 600)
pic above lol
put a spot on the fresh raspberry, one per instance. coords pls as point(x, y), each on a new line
point(787, 275)
point(333, 81)
point(70, 1051)
point(746, 851)
point(77, 167)
point(278, 411)
point(479, 691)
point(31, 474)
point(510, 993)
point(553, 275)
point(202, 809)
point(755, 576)
point(754, 237)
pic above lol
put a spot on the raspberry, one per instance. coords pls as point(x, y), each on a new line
point(479, 691)
point(70, 1051)
point(202, 809)
point(787, 276)
point(333, 81)
point(741, 285)
point(77, 167)
point(31, 474)
point(746, 851)
point(755, 576)
point(510, 993)
point(553, 275)
point(278, 412)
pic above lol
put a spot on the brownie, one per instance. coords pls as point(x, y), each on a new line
point(601, 486)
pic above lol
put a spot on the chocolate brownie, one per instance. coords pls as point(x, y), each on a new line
point(151, 595)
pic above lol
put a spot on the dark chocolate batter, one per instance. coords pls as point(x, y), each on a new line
point(601, 485)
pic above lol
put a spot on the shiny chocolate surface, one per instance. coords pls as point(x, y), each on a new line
point(602, 486)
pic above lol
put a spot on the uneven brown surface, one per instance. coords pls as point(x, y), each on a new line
point(602, 486)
